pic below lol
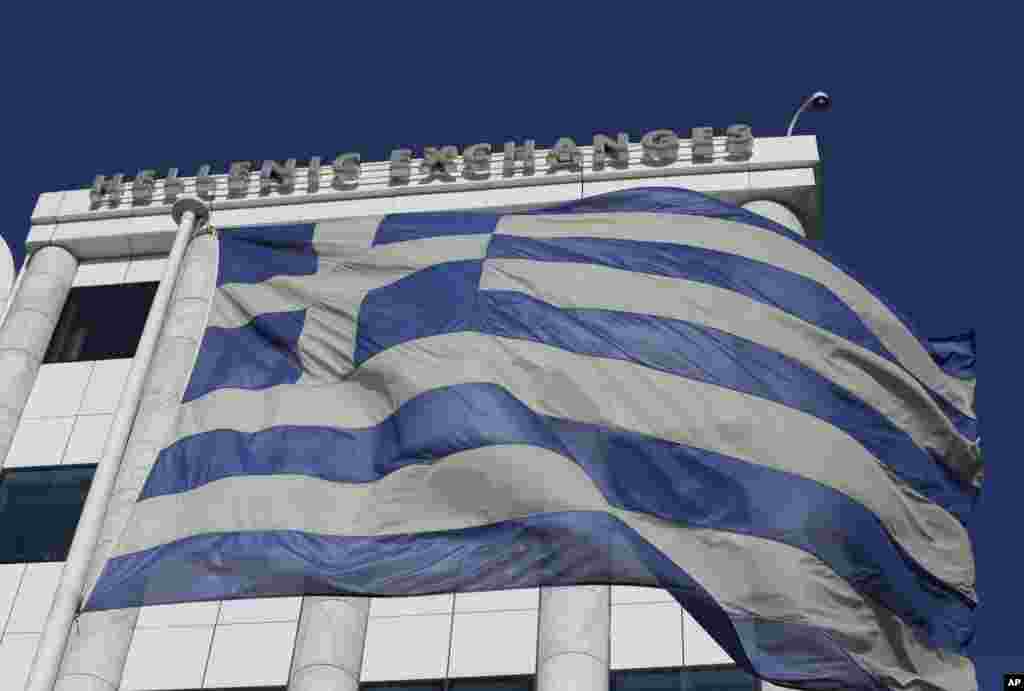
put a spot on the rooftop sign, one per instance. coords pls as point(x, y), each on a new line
point(442, 164)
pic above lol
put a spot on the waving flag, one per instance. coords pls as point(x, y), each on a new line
point(648, 387)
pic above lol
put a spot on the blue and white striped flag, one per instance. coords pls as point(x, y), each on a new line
point(648, 387)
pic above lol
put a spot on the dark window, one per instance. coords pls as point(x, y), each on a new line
point(101, 322)
point(516, 683)
point(403, 686)
point(721, 678)
point(495, 684)
point(39, 510)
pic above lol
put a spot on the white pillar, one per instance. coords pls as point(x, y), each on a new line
point(329, 645)
point(91, 658)
point(26, 331)
point(777, 212)
point(574, 637)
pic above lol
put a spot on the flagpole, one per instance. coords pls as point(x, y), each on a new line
point(188, 214)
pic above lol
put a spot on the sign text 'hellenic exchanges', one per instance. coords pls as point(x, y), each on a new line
point(443, 164)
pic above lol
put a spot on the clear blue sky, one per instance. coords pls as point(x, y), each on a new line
point(916, 148)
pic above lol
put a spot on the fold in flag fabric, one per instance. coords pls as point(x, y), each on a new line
point(648, 387)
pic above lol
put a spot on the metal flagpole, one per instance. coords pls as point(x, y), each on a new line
point(188, 214)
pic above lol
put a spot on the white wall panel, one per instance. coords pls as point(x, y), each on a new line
point(16, 653)
point(183, 614)
point(494, 643)
point(499, 600)
point(105, 386)
point(100, 272)
point(250, 655)
point(714, 182)
point(170, 658)
point(111, 238)
point(58, 390)
point(145, 269)
point(48, 204)
point(266, 609)
point(626, 594)
point(772, 179)
point(32, 605)
point(699, 648)
point(480, 199)
point(302, 213)
point(646, 635)
point(41, 234)
point(39, 442)
point(405, 606)
point(10, 581)
point(414, 647)
point(88, 437)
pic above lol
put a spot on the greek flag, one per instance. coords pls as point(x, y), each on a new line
point(648, 387)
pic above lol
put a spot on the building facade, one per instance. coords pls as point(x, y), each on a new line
point(68, 342)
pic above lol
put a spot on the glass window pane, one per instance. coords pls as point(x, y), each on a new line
point(39, 511)
point(679, 679)
point(721, 679)
point(505, 684)
point(403, 686)
point(646, 680)
point(101, 322)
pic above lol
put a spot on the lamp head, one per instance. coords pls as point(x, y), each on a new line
point(821, 101)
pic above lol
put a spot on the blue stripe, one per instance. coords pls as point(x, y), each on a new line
point(716, 357)
point(417, 226)
point(678, 483)
point(674, 200)
point(552, 549)
point(956, 355)
point(437, 300)
point(252, 255)
point(258, 355)
point(764, 283)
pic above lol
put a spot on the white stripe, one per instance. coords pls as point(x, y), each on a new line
point(614, 394)
point(884, 386)
point(332, 239)
point(761, 245)
point(746, 575)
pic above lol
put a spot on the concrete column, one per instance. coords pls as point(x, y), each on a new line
point(574, 638)
point(98, 644)
point(329, 644)
point(777, 212)
point(27, 330)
